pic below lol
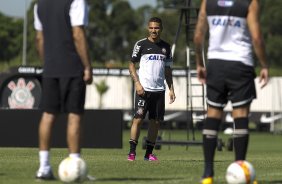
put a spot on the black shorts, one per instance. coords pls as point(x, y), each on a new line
point(230, 80)
point(63, 95)
point(152, 102)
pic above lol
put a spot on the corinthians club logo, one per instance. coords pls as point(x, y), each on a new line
point(21, 97)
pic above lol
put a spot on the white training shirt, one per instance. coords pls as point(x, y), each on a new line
point(152, 58)
point(230, 39)
point(78, 14)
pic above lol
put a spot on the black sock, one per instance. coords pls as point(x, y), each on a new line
point(149, 148)
point(133, 145)
point(209, 144)
point(241, 138)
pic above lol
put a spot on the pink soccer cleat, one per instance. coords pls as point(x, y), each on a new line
point(151, 157)
point(131, 157)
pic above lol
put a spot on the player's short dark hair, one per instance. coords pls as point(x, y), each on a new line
point(156, 19)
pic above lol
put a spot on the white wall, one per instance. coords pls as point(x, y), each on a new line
point(119, 94)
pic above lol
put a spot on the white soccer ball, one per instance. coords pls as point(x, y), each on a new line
point(240, 172)
point(72, 170)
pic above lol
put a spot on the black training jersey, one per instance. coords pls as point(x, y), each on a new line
point(229, 34)
point(60, 55)
point(153, 58)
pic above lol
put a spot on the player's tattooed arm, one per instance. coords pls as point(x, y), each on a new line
point(199, 34)
point(199, 39)
point(133, 73)
point(138, 87)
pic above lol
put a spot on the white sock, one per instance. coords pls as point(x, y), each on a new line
point(44, 160)
point(74, 155)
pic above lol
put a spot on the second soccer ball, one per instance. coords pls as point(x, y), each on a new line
point(72, 170)
point(240, 172)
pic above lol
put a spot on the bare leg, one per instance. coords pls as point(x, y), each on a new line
point(45, 130)
point(151, 138)
point(45, 134)
point(153, 131)
point(242, 112)
point(135, 129)
point(134, 136)
point(74, 132)
point(214, 113)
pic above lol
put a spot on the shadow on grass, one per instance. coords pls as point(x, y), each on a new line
point(196, 161)
point(271, 182)
point(135, 179)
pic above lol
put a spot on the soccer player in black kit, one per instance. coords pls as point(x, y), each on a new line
point(62, 45)
point(155, 61)
point(229, 75)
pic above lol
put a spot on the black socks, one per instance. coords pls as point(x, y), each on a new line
point(149, 148)
point(210, 131)
point(133, 145)
point(241, 138)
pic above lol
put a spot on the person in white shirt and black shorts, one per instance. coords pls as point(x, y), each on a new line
point(155, 61)
point(229, 76)
point(62, 46)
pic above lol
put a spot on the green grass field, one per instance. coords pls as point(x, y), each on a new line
point(177, 165)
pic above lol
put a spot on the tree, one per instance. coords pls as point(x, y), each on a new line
point(99, 29)
point(171, 17)
point(271, 20)
point(102, 88)
point(10, 37)
point(32, 55)
point(111, 29)
point(176, 3)
point(114, 27)
point(122, 19)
